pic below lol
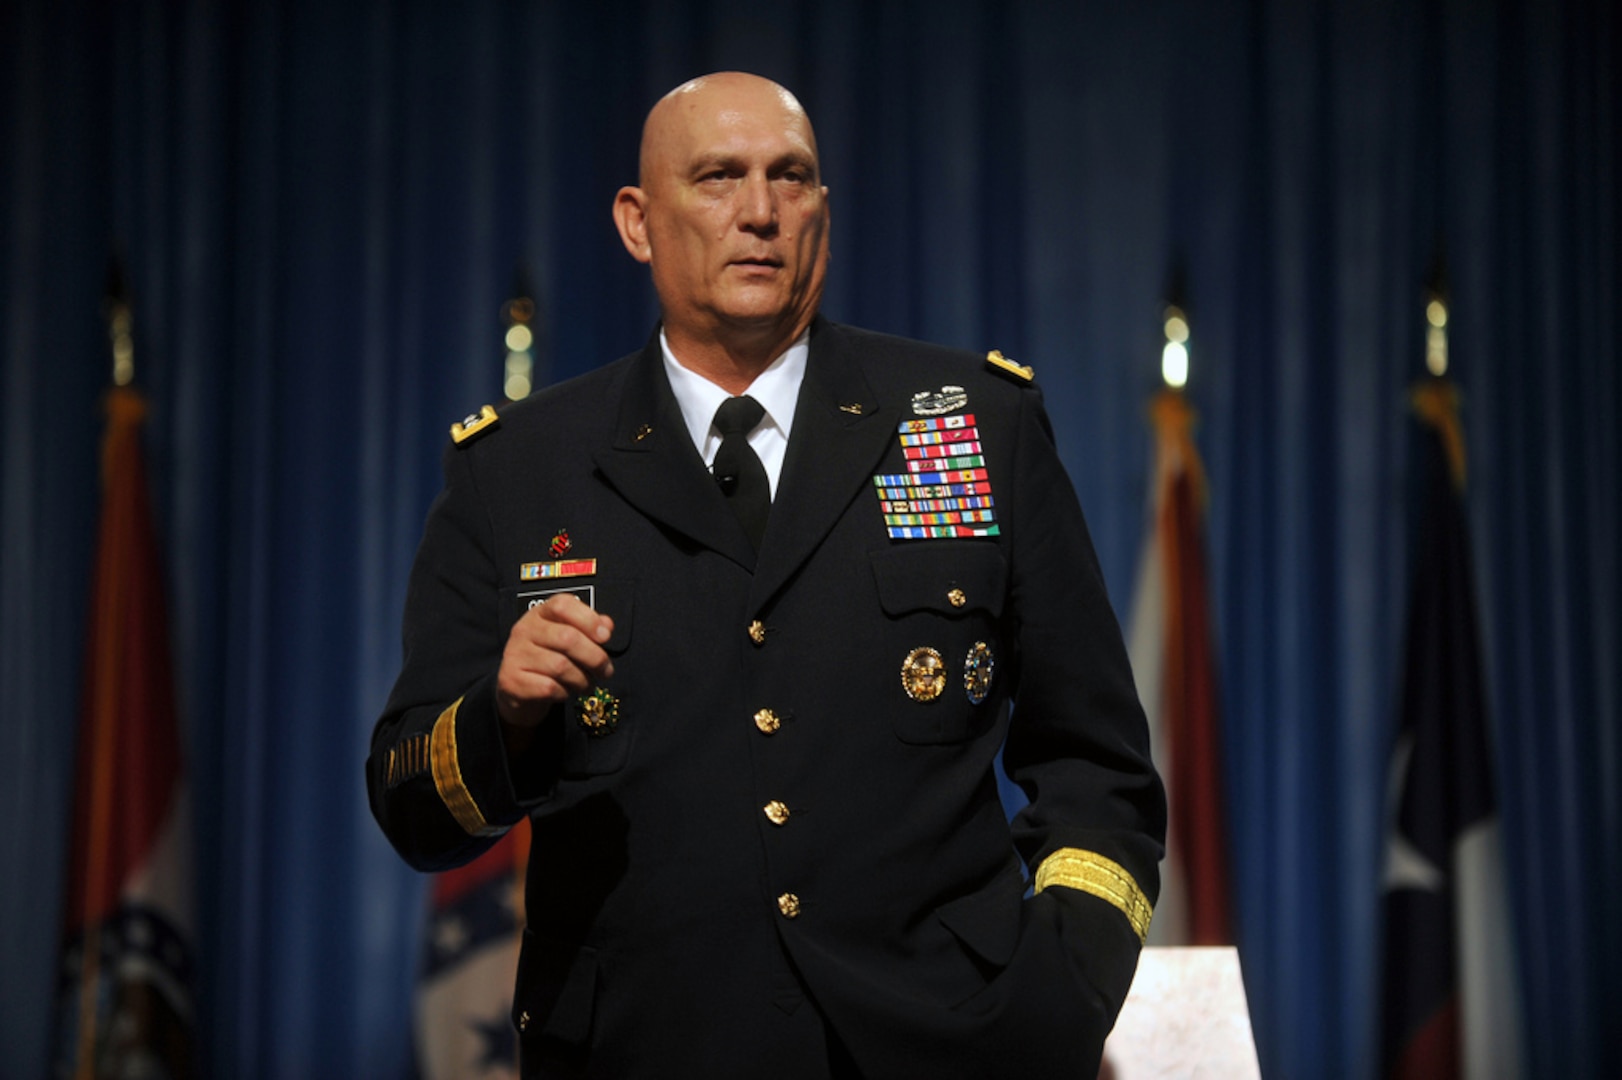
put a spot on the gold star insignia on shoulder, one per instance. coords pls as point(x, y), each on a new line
point(998, 362)
point(474, 423)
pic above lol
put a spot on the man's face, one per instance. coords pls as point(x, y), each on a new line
point(736, 217)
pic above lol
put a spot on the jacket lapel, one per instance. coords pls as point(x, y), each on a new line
point(654, 467)
point(840, 434)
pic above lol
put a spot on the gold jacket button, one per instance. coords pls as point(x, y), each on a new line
point(768, 722)
point(776, 812)
point(957, 598)
point(757, 632)
point(789, 905)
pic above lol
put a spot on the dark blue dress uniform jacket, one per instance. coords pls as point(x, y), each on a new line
point(775, 836)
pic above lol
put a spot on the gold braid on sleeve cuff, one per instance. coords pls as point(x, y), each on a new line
point(1104, 878)
point(448, 777)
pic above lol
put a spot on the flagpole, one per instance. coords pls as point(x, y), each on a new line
point(1173, 659)
point(123, 416)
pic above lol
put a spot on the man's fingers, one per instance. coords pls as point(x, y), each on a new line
point(549, 646)
point(568, 609)
point(553, 652)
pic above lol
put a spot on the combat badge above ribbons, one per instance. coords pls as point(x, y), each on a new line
point(939, 402)
point(946, 491)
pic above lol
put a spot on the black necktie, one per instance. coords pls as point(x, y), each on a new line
point(737, 467)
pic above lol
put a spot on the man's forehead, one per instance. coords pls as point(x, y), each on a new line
point(735, 113)
point(726, 131)
point(703, 116)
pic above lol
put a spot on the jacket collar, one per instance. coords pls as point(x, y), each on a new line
point(840, 433)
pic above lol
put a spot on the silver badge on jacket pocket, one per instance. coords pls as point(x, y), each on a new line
point(978, 668)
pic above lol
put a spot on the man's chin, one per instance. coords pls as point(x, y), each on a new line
point(761, 311)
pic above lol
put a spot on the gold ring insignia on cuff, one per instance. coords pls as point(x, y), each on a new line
point(1104, 878)
point(447, 770)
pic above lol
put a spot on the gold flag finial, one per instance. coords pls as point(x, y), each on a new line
point(1436, 401)
point(120, 323)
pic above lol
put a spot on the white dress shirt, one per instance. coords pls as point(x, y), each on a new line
point(777, 389)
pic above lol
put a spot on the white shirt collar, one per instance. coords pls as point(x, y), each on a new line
point(777, 390)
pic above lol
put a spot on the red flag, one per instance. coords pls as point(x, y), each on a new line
point(1175, 664)
point(124, 1001)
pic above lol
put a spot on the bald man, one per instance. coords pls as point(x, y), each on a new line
point(739, 622)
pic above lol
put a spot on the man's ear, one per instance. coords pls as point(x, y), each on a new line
point(631, 219)
point(827, 224)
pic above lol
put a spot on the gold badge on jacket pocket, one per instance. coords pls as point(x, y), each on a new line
point(923, 674)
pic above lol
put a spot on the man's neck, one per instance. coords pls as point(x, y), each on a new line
point(730, 361)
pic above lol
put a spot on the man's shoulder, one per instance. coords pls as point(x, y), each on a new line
point(901, 365)
point(893, 347)
point(582, 397)
point(578, 408)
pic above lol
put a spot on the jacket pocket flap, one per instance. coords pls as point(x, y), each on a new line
point(987, 922)
point(951, 577)
point(556, 986)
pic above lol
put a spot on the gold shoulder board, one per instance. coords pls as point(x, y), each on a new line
point(464, 430)
point(998, 362)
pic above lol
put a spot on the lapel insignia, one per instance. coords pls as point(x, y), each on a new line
point(939, 402)
point(561, 568)
point(946, 491)
point(561, 544)
point(643, 432)
point(854, 408)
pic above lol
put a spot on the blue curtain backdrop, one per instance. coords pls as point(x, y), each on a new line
point(321, 206)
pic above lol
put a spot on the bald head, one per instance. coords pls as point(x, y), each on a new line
point(732, 218)
point(672, 116)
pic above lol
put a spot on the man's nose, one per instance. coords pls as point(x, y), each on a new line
point(757, 205)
